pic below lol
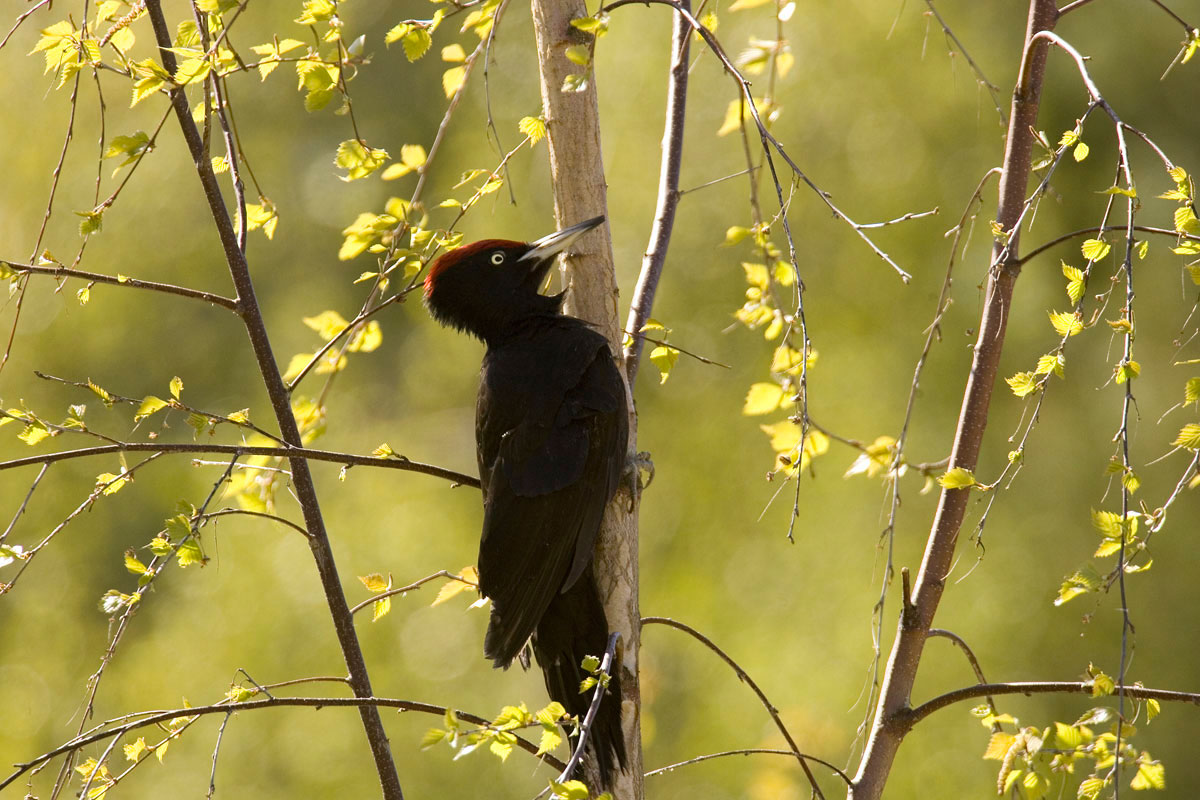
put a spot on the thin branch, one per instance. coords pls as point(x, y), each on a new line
point(441, 573)
point(585, 727)
point(767, 138)
point(1028, 688)
point(668, 192)
point(1101, 229)
point(747, 752)
point(157, 718)
point(949, 34)
point(26, 15)
point(295, 454)
point(224, 512)
point(24, 503)
point(302, 480)
point(746, 679)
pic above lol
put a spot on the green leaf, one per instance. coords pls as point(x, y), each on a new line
point(133, 565)
point(1066, 323)
point(176, 387)
point(91, 222)
point(150, 405)
point(1191, 391)
point(533, 127)
point(664, 358)
point(432, 737)
point(1127, 371)
point(100, 392)
point(1121, 191)
point(315, 11)
point(1080, 153)
point(578, 54)
point(453, 80)
point(1075, 280)
point(763, 398)
point(375, 582)
point(1189, 437)
point(416, 43)
point(1052, 362)
point(1094, 249)
point(1185, 220)
point(597, 26)
point(358, 160)
point(1090, 788)
point(957, 478)
point(571, 790)
point(1083, 580)
point(1022, 384)
point(189, 553)
point(1102, 684)
point(1150, 775)
point(380, 608)
point(262, 215)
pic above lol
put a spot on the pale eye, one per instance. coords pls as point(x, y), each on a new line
point(497, 258)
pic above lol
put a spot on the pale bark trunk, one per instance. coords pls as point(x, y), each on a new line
point(580, 192)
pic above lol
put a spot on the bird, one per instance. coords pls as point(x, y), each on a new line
point(551, 428)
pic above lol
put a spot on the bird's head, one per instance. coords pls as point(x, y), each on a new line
point(486, 287)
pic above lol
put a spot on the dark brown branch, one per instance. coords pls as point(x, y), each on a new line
point(668, 193)
point(296, 454)
point(1038, 687)
point(306, 494)
point(746, 679)
point(1037, 251)
point(276, 702)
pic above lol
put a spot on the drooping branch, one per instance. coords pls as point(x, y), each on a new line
point(745, 678)
point(248, 309)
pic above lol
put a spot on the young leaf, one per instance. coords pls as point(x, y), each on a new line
point(763, 398)
point(957, 478)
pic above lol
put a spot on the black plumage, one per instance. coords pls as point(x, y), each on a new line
point(551, 429)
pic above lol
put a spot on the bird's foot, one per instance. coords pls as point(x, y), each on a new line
point(639, 474)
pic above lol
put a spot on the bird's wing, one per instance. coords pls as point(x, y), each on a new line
point(552, 429)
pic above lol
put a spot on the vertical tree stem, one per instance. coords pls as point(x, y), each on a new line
point(668, 192)
point(892, 718)
point(251, 314)
point(577, 172)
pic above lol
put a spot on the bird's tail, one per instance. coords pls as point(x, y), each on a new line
point(573, 627)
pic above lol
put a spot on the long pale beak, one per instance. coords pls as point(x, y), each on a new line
point(546, 248)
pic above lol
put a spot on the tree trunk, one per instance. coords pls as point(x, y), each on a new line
point(580, 192)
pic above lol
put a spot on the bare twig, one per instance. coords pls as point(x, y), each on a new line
point(746, 679)
point(295, 454)
point(121, 280)
point(750, 751)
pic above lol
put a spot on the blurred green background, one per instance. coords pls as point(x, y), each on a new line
point(880, 116)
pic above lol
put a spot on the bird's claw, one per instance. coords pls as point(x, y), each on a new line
point(635, 467)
